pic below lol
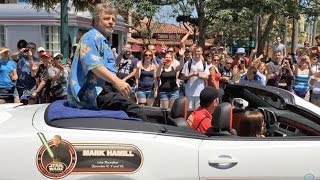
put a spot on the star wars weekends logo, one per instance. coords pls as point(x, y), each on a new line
point(56, 158)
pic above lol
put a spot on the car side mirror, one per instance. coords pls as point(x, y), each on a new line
point(240, 103)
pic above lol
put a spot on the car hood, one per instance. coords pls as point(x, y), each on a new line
point(15, 118)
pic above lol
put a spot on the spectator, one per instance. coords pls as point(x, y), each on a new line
point(262, 72)
point(8, 74)
point(208, 59)
point(226, 73)
point(240, 56)
point(315, 85)
point(315, 68)
point(215, 75)
point(146, 80)
point(252, 124)
point(278, 46)
point(45, 74)
point(302, 75)
point(58, 87)
point(168, 88)
point(285, 74)
point(201, 118)
point(196, 73)
point(251, 77)
point(126, 65)
point(239, 70)
point(40, 50)
point(92, 83)
point(27, 69)
point(273, 69)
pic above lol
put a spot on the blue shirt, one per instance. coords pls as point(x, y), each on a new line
point(6, 68)
point(83, 85)
point(25, 80)
point(256, 80)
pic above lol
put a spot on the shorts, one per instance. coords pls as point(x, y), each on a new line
point(315, 97)
point(145, 94)
point(169, 95)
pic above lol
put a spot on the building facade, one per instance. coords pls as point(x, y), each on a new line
point(21, 21)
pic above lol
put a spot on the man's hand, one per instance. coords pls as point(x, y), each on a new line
point(123, 87)
point(34, 94)
point(29, 54)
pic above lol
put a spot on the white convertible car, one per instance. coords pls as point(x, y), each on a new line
point(56, 141)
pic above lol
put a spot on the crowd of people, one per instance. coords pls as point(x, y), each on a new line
point(32, 75)
point(158, 78)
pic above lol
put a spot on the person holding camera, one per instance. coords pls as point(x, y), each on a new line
point(239, 70)
point(273, 69)
point(26, 82)
point(240, 56)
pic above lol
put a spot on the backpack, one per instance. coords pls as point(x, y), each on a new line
point(203, 63)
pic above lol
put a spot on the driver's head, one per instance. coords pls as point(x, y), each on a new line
point(252, 124)
point(209, 97)
point(56, 140)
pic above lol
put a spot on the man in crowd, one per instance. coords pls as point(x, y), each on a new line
point(278, 46)
point(93, 83)
point(273, 69)
point(252, 77)
point(201, 118)
point(226, 73)
point(26, 82)
point(240, 56)
point(126, 65)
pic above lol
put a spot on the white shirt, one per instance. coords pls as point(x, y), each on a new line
point(195, 84)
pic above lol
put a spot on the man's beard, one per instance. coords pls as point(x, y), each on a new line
point(107, 31)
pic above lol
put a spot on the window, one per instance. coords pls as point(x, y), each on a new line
point(2, 38)
point(52, 38)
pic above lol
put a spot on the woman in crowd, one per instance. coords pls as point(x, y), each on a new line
point(8, 75)
point(314, 68)
point(286, 75)
point(168, 88)
point(146, 81)
point(262, 72)
point(215, 75)
point(208, 59)
point(239, 70)
point(252, 124)
point(302, 76)
point(58, 89)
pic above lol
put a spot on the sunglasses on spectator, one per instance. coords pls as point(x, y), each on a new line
point(148, 55)
point(216, 60)
point(229, 63)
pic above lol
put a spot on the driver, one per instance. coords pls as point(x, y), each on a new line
point(93, 83)
point(201, 118)
point(252, 124)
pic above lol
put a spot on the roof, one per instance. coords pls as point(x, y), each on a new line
point(164, 28)
point(25, 14)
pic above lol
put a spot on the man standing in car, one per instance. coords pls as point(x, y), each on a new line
point(93, 83)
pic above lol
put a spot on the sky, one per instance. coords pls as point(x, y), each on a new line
point(165, 15)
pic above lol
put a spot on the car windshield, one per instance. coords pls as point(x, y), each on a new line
point(264, 98)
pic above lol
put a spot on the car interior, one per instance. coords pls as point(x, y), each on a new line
point(282, 119)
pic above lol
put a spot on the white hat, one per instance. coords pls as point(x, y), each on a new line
point(40, 49)
point(241, 51)
point(57, 54)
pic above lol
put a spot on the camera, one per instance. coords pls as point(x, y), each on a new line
point(26, 50)
point(242, 62)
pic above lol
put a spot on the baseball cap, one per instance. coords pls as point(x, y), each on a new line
point(57, 54)
point(40, 49)
point(46, 54)
point(209, 93)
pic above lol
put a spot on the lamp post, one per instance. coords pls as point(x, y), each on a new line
point(64, 38)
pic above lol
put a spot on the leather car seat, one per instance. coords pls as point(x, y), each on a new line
point(222, 121)
point(178, 113)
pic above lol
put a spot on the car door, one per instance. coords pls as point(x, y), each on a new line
point(264, 158)
point(163, 152)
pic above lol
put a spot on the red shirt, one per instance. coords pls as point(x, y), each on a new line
point(201, 120)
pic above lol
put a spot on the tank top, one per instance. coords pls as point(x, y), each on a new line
point(146, 80)
point(301, 83)
point(168, 81)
